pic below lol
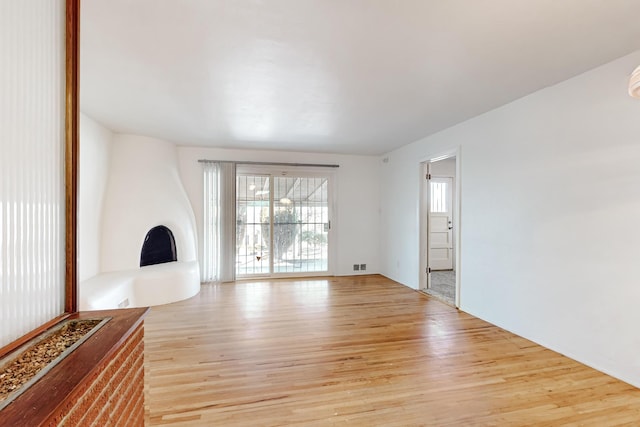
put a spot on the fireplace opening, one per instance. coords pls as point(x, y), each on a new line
point(159, 247)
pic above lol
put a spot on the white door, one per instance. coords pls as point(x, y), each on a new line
point(440, 223)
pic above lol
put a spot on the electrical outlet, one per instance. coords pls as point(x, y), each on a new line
point(356, 267)
point(363, 267)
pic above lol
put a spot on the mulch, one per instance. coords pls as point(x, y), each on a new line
point(36, 357)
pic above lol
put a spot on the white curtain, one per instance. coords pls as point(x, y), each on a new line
point(32, 76)
point(210, 249)
point(219, 242)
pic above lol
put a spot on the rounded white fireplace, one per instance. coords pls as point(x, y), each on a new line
point(145, 209)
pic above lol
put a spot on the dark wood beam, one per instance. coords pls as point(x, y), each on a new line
point(72, 117)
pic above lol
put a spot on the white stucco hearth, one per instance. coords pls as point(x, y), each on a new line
point(143, 287)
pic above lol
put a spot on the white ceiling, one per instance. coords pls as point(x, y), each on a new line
point(342, 76)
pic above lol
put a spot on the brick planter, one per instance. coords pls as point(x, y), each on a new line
point(100, 383)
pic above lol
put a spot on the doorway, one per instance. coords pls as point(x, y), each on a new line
point(282, 224)
point(439, 220)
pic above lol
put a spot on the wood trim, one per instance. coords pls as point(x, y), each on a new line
point(23, 339)
point(72, 105)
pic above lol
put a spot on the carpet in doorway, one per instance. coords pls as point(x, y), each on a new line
point(443, 286)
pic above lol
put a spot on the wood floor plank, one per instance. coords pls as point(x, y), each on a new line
point(358, 351)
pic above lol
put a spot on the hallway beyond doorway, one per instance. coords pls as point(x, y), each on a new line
point(443, 286)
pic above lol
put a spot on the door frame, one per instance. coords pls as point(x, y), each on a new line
point(423, 219)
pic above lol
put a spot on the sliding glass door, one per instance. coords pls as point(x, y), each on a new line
point(253, 208)
point(282, 224)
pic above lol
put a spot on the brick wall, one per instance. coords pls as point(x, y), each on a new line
point(114, 396)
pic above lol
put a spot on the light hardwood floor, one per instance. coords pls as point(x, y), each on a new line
point(361, 351)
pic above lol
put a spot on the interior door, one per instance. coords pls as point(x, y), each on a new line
point(440, 223)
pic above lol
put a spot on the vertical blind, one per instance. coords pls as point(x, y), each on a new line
point(219, 243)
point(210, 248)
point(32, 76)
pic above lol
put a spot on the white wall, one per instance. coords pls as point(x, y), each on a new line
point(445, 167)
point(144, 190)
point(95, 153)
point(356, 219)
point(550, 217)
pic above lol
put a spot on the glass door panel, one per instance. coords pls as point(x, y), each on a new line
point(252, 225)
point(301, 224)
point(282, 224)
